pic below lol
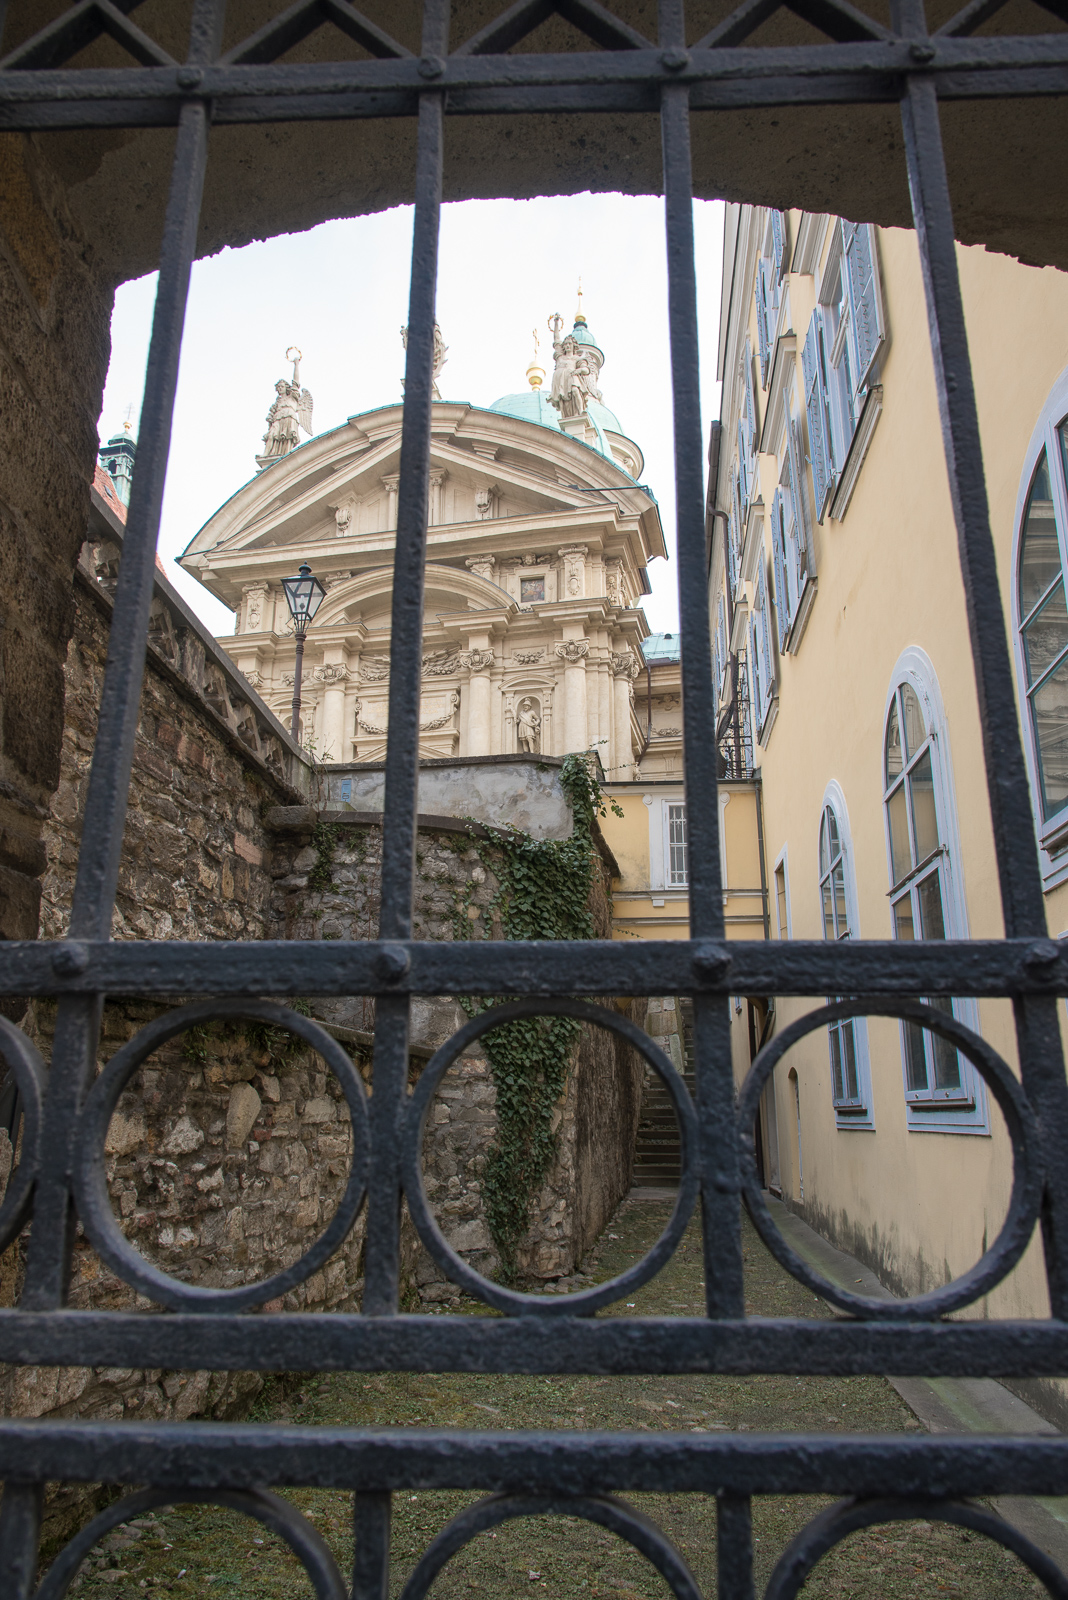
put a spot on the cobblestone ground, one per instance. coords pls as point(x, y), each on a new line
point(191, 1551)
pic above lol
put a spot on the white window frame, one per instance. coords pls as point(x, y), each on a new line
point(925, 1112)
point(671, 880)
point(763, 685)
point(1051, 833)
point(859, 1114)
point(782, 860)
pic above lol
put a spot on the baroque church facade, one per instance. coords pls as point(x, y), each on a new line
point(540, 534)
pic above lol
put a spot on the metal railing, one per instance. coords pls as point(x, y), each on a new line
point(60, 1176)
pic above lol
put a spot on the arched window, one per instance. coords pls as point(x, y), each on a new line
point(1042, 624)
point(941, 1089)
point(850, 1078)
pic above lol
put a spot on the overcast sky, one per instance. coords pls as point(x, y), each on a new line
point(340, 293)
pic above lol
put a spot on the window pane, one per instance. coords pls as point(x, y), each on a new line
point(1046, 635)
point(915, 727)
point(838, 1087)
point(1049, 716)
point(841, 918)
point(828, 909)
point(849, 1061)
point(900, 850)
point(894, 758)
point(676, 845)
point(915, 1060)
point(924, 816)
point(932, 922)
point(903, 925)
point(1040, 559)
point(946, 1059)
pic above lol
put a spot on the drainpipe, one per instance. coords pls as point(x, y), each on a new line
point(760, 847)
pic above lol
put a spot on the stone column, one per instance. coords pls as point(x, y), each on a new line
point(604, 715)
point(335, 744)
point(389, 484)
point(573, 653)
point(478, 662)
point(625, 670)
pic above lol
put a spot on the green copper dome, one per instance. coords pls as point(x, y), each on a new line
point(532, 406)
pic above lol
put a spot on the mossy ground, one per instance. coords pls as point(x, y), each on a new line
point(192, 1551)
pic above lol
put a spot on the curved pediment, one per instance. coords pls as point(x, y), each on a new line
point(366, 594)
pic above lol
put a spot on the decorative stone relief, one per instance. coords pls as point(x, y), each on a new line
point(481, 566)
point(447, 716)
point(334, 578)
point(574, 558)
point(331, 673)
point(614, 580)
point(483, 505)
point(440, 664)
point(374, 669)
point(343, 521)
point(527, 658)
point(476, 660)
point(254, 680)
point(255, 594)
point(667, 733)
point(573, 651)
point(624, 665)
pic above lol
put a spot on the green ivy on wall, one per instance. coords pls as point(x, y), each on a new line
point(544, 888)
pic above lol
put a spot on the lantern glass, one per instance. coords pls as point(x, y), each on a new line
point(304, 595)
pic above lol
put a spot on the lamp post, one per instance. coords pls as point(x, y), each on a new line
point(304, 595)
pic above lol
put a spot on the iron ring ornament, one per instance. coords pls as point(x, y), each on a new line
point(606, 1510)
point(278, 1515)
point(820, 1536)
point(90, 1183)
point(583, 1302)
point(28, 1069)
point(1027, 1173)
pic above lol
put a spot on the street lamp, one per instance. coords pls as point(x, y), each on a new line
point(304, 595)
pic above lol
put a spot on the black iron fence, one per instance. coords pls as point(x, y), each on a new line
point(60, 1176)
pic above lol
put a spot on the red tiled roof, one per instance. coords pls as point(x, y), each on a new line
point(105, 488)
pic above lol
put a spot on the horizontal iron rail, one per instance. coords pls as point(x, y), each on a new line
point(343, 1342)
point(204, 1455)
point(1006, 967)
point(479, 85)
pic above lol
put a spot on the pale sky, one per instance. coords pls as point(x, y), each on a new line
point(340, 293)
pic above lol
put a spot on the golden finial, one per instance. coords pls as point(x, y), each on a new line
point(580, 315)
point(535, 373)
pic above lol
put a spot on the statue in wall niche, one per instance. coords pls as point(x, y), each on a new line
point(528, 727)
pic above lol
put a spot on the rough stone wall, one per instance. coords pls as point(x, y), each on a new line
point(54, 345)
point(194, 859)
point(596, 1120)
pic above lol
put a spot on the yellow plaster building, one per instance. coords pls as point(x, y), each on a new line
point(834, 557)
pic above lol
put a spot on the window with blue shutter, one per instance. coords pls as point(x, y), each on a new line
point(763, 323)
point(778, 244)
point(756, 676)
point(866, 326)
point(813, 362)
point(750, 403)
point(768, 677)
point(778, 550)
point(799, 532)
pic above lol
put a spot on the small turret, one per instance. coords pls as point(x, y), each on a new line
point(117, 458)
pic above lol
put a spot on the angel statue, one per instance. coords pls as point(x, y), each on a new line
point(441, 354)
point(290, 411)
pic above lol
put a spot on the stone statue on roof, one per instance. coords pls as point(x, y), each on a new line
point(441, 355)
point(575, 373)
point(290, 411)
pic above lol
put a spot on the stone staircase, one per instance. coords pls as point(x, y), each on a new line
point(656, 1151)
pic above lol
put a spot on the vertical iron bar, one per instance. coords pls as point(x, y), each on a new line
point(20, 1532)
point(1037, 1032)
point(371, 1518)
point(734, 1546)
point(390, 1081)
point(717, 1156)
point(78, 1020)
